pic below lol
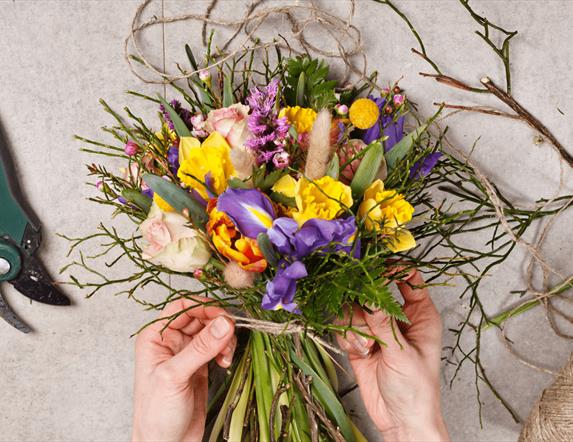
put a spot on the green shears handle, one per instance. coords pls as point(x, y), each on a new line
point(13, 216)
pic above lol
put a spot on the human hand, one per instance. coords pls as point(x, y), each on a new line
point(400, 386)
point(171, 377)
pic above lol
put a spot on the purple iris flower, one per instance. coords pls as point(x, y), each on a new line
point(282, 289)
point(385, 126)
point(424, 166)
point(249, 209)
point(315, 235)
point(328, 236)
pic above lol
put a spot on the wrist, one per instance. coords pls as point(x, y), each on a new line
point(420, 431)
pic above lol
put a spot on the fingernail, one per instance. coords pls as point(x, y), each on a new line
point(359, 345)
point(226, 360)
point(220, 327)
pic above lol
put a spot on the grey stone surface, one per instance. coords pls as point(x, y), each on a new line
point(71, 380)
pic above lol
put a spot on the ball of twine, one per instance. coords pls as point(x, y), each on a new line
point(551, 419)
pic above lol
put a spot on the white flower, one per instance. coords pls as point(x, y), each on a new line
point(231, 122)
point(171, 243)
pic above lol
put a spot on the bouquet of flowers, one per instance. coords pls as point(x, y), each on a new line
point(287, 196)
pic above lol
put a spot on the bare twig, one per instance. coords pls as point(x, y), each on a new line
point(530, 119)
point(479, 109)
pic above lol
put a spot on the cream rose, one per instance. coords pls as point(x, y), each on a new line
point(231, 122)
point(171, 243)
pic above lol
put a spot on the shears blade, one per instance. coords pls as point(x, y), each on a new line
point(10, 317)
point(34, 282)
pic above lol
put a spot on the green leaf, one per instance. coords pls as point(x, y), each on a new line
point(368, 169)
point(283, 199)
point(267, 249)
point(177, 198)
point(191, 57)
point(181, 128)
point(300, 89)
point(228, 97)
point(137, 198)
point(379, 296)
point(401, 149)
point(237, 183)
point(270, 180)
point(333, 169)
point(327, 398)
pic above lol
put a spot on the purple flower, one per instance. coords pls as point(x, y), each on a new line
point(282, 289)
point(185, 114)
point(249, 209)
point(424, 166)
point(173, 158)
point(328, 236)
point(267, 129)
point(386, 126)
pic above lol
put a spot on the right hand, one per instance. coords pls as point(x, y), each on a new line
point(399, 383)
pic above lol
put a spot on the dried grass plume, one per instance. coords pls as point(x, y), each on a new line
point(319, 148)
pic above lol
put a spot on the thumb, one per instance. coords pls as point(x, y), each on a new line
point(384, 328)
point(204, 347)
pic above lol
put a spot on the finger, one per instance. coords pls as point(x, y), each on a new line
point(199, 385)
point(385, 329)
point(205, 346)
point(225, 358)
point(193, 308)
point(354, 343)
point(425, 323)
point(193, 327)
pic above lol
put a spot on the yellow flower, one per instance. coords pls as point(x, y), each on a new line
point(286, 185)
point(162, 204)
point(301, 117)
point(323, 198)
point(208, 163)
point(364, 113)
point(387, 212)
point(166, 130)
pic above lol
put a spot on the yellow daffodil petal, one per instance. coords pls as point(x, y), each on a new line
point(401, 241)
point(324, 198)
point(286, 186)
point(162, 204)
point(185, 145)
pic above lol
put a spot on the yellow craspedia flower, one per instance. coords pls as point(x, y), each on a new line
point(301, 117)
point(208, 164)
point(172, 136)
point(387, 212)
point(363, 113)
point(162, 204)
point(324, 198)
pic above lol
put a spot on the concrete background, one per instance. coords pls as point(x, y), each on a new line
point(71, 380)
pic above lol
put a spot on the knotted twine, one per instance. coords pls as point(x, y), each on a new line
point(552, 418)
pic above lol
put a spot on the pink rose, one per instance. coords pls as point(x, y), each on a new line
point(231, 122)
point(171, 243)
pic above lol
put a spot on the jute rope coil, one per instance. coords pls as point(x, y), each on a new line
point(551, 419)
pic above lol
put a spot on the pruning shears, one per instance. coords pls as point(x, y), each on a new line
point(20, 237)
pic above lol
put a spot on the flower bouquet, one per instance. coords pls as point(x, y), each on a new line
point(287, 196)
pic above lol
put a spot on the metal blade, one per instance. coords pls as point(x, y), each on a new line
point(34, 282)
point(11, 318)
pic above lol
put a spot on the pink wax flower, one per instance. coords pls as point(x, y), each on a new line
point(347, 152)
point(130, 148)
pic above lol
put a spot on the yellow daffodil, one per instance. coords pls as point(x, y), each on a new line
point(206, 166)
point(387, 212)
point(324, 198)
point(302, 118)
point(286, 186)
point(364, 113)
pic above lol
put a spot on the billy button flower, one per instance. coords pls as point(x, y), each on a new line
point(364, 113)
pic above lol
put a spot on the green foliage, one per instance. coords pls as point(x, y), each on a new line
point(368, 169)
point(177, 198)
point(307, 84)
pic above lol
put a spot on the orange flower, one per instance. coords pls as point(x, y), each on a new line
point(231, 244)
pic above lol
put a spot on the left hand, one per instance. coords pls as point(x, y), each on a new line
point(171, 377)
